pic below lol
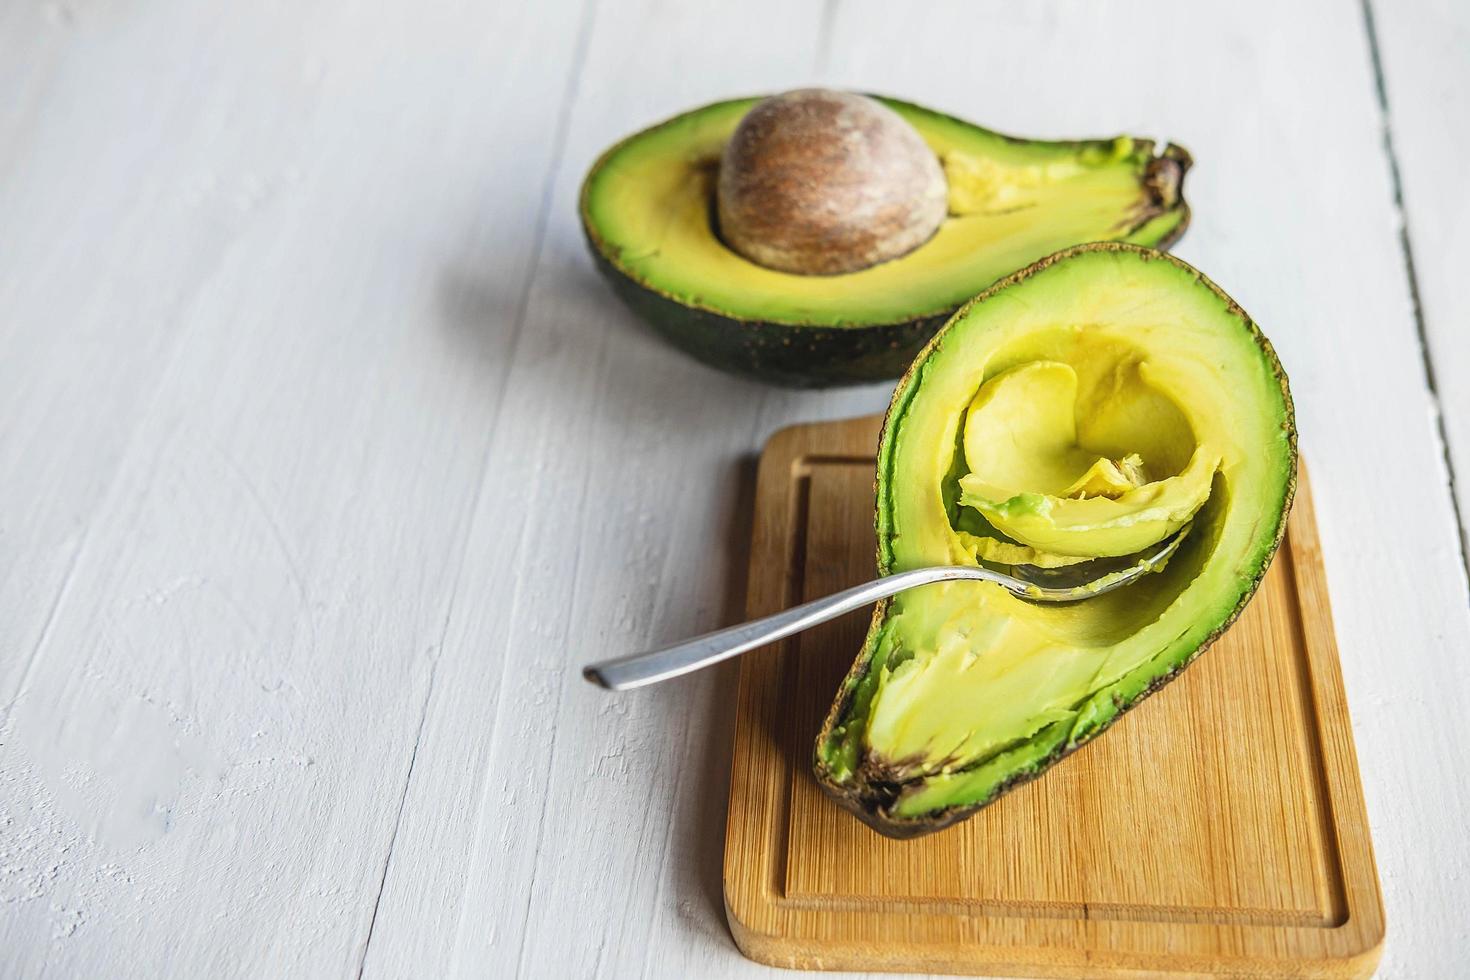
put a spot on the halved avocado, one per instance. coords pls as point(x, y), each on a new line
point(1104, 352)
point(647, 210)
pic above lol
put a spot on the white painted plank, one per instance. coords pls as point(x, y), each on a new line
point(1424, 53)
point(245, 239)
point(558, 831)
point(107, 236)
point(616, 515)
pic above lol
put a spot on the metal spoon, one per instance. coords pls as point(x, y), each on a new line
point(1070, 583)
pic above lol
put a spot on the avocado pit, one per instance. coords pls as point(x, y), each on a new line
point(821, 182)
point(651, 212)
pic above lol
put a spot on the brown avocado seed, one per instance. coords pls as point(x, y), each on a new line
point(820, 182)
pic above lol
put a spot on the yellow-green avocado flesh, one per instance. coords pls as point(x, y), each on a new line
point(1034, 478)
point(647, 211)
point(1089, 405)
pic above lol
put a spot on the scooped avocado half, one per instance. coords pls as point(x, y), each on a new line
point(647, 211)
point(1087, 407)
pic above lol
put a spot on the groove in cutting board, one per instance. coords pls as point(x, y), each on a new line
point(1218, 827)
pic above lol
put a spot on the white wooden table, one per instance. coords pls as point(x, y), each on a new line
point(325, 458)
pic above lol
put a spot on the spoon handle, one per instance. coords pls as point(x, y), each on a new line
point(702, 651)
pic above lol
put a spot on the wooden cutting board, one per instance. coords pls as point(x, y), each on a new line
point(1216, 829)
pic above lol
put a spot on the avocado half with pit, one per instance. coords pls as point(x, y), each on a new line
point(1085, 408)
point(647, 209)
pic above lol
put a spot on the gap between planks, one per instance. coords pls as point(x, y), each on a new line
point(543, 214)
point(1406, 246)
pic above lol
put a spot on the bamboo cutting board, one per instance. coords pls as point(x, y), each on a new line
point(1216, 829)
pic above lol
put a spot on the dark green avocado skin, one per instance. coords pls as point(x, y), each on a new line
point(797, 357)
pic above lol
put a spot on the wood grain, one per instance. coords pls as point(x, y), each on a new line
point(238, 469)
point(1218, 828)
point(293, 301)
